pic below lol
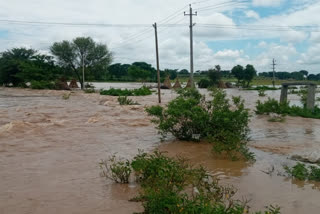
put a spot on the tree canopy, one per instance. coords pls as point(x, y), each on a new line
point(21, 65)
point(83, 52)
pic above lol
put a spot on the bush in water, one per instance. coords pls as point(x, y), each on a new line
point(126, 101)
point(273, 106)
point(42, 85)
point(143, 91)
point(190, 117)
point(171, 185)
point(301, 172)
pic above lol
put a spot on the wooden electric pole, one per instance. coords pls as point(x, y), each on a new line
point(273, 71)
point(191, 42)
point(157, 57)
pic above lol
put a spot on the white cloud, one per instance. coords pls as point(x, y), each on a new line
point(315, 37)
point(228, 54)
point(267, 3)
point(252, 14)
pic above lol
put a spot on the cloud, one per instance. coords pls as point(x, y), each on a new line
point(267, 3)
point(252, 14)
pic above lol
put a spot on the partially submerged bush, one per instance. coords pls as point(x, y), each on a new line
point(143, 91)
point(66, 96)
point(301, 172)
point(126, 101)
point(273, 106)
point(276, 118)
point(265, 88)
point(190, 117)
point(204, 83)
point(116, 169)
point(171, 185)
point(261, 93)
point(89, 91)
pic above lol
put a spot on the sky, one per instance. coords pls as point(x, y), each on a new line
point(226, 32)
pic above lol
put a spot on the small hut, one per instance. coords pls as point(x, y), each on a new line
point(177, 85)
point(73, 84)
point(62, 84)
point(222, 84)
point(189, 85)
point(167, 83)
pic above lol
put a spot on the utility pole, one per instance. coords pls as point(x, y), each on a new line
point(157, 57)
point(274, 71)
point(191, 42)
point(83, 72)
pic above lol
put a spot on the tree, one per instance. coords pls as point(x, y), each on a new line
point(215, 75)
point(184, 71)
point(137, 73)
point(237, 72)
point(248, 74)
point(39, 68)
point(10, 62)
point(304, 72)
point(82, 52)
point(118, 70)
point(297, 75)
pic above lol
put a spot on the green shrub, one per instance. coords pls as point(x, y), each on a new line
point(171, 185)
point(204, 83)
point(89, 85)
point(126, 101)
point(190, 117)
point(66, 96)
point(116, 169)
point(273, 106)
point(42, 85)
point(261, 93)
point(143, 91)
point(264, 88)
point(277, 118)
point(89, 91)
point(301, 172)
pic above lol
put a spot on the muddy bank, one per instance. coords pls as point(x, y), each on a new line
point(50, 149)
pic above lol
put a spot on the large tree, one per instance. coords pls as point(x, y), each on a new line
point(81, 53)
point(237, 72)
point(10, 64)
point(248, 75)
point(215, 75)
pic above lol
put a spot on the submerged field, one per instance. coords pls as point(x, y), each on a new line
point(50, 148)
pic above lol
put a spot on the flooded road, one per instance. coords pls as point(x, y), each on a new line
point(50, 149)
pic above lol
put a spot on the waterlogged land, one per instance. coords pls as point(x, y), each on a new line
point(50, 149)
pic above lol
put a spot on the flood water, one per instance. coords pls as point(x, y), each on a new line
point(50, 149)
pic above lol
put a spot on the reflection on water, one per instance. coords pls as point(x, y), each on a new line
point(50, 149)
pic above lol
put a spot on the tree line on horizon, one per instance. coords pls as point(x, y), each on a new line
point(19, 66)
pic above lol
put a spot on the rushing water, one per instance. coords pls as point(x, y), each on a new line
point(50, 149)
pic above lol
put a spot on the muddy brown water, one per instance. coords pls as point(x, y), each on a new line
point(50, 149)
